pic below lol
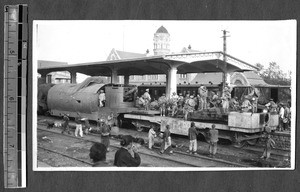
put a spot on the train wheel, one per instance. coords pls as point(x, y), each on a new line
point(240, 144)
point(252, 141)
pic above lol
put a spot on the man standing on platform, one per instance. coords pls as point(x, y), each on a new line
point(147, 98)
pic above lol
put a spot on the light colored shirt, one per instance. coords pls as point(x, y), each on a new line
point(281, 112)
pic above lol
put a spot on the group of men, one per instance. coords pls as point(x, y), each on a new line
point(166, 141)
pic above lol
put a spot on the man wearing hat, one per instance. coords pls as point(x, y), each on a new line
point(203, 97)
point(189, 106)
point(147, 98)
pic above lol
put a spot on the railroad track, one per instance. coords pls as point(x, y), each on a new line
point(169, 158)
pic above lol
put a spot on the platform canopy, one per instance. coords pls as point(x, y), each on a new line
point(201, 62)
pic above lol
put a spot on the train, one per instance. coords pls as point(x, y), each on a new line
point(82, 100)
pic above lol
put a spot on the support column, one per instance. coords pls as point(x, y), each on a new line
point(73, 77)
point(42, 79)
point(126, 79)
point(114, 76)
point(171, 82)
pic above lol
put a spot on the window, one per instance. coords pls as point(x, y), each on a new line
point(182, 76)
point(153, 77)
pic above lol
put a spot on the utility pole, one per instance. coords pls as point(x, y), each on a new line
point(224, 58)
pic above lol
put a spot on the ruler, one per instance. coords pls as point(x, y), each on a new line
point(15, 95)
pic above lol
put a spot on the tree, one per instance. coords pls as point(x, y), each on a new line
point(273, 74)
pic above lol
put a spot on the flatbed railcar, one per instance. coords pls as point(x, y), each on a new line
point(82, 100)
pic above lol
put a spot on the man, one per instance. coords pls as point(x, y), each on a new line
point(214, 134)
point(147, 98)
point(225, 99)
point(78, 129)
point(162, 101)
point(192, 134)
point(189, 106)
point(214, 99)
point(127, 155)
point(105, 132)
point(180, 101)
point(271, 106)
point(286, 117)
point(102, 98)
point(233, 104)
point(98, 155)
point(246, 105)
point(151, 136)
point(174, 100)
point(203, 97)
point(166, 143)
point(65, 125)
point(281, 116)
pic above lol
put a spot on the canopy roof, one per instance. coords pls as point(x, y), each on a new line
point(201, 62)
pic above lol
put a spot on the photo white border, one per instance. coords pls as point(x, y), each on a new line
point(34, 119)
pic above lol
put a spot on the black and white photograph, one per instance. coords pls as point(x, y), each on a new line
point(164, 95)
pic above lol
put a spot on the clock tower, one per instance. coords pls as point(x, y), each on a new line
point(161, 41)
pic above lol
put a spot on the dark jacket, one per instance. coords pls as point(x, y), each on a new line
point(166, 134)
point(124, 159)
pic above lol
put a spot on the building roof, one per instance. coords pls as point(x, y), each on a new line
point(208, 78)
point(254, 78)
point(119, 55)
point(162, 29)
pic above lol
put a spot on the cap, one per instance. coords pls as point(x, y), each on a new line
point(147, 89)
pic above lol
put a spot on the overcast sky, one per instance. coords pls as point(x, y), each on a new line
point(90, 41)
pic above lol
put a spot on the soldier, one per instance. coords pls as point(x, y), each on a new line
point(234, 104)
point(189, 106)
point(65, 125)
point(174, 100)
point(101, 98)
point(111, 120)
point(162, 101)
point(147, 98)
point(246, 105)
point(203, 98)
point(180, 101)
point(225, 99)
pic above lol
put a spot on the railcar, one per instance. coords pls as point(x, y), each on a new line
point(83, 100)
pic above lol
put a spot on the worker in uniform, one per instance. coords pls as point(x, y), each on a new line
point(271, 106)
point(127, 155)
point(162, 102)
point(174, 100)
point(151, 136)
point(189, 106)
point(203, 98)
point(105, 132)
point(246, 105)
point(102, 99)
point(98, 155)
point(147, 98)
point(213, 143)
point(65, 125)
